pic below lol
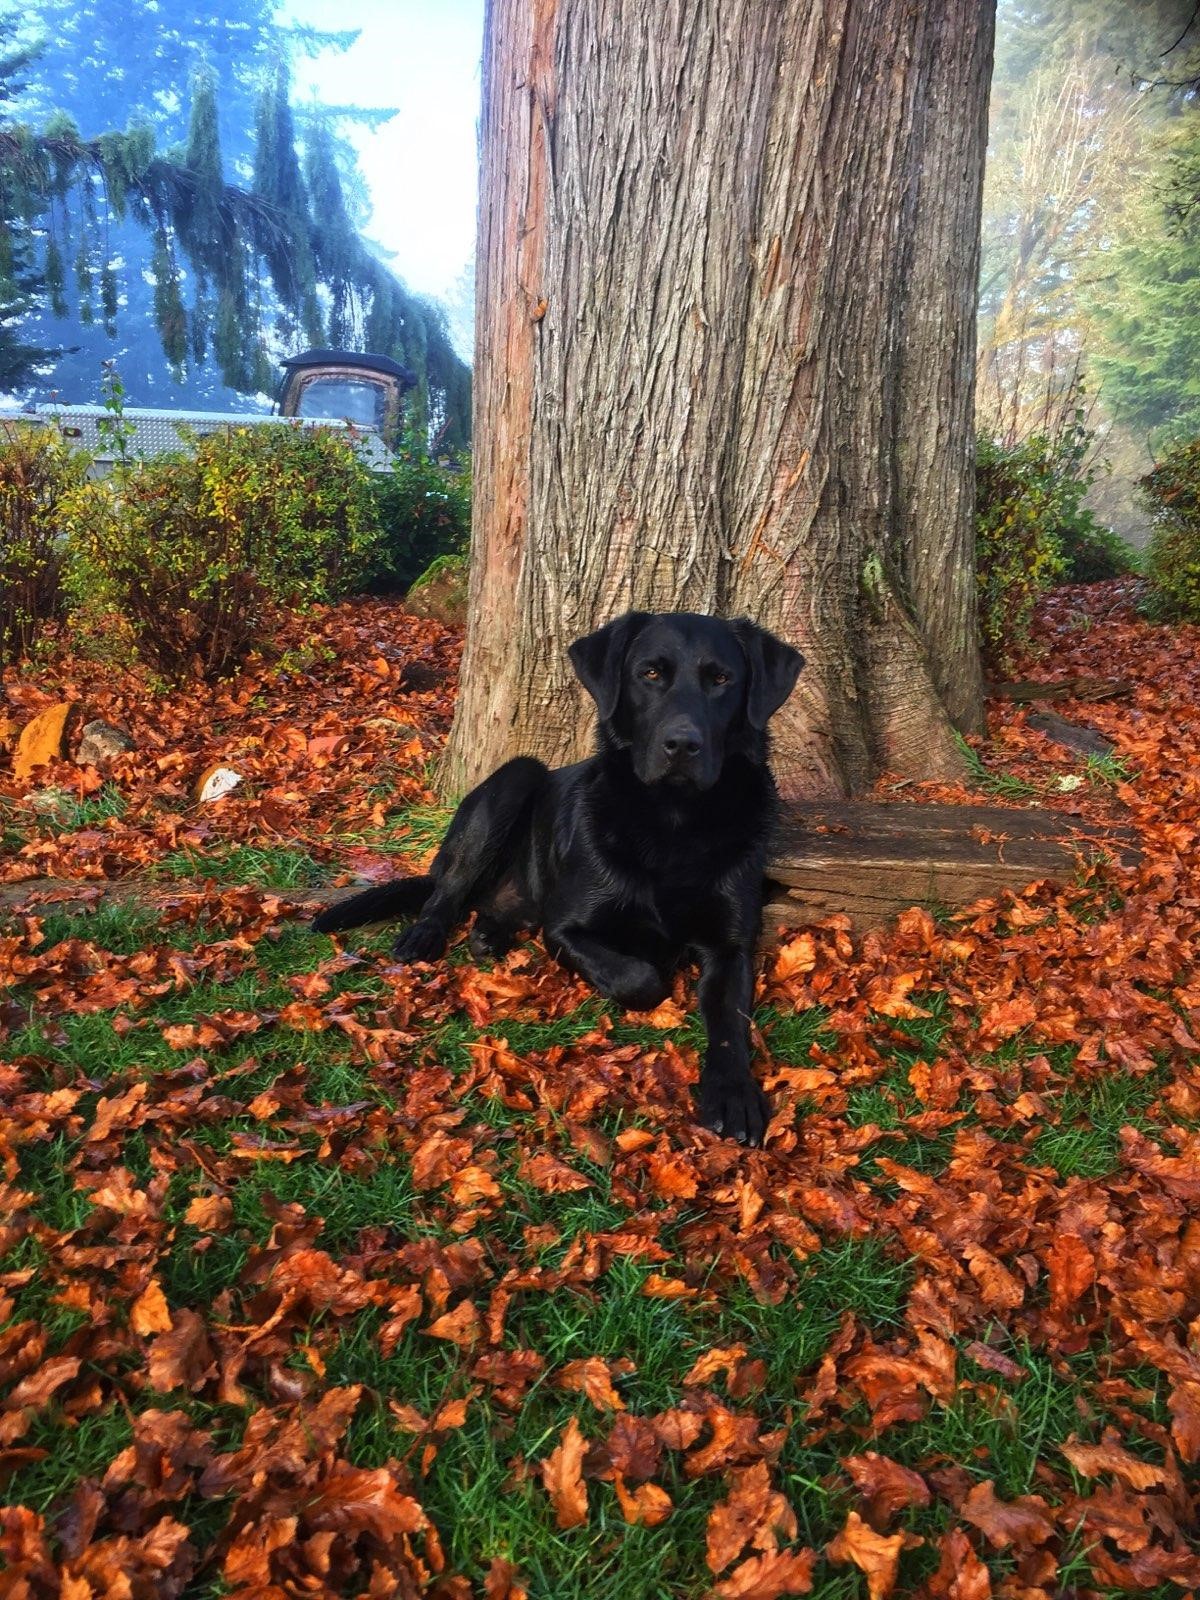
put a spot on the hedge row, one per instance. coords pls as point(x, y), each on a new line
point(190, 552)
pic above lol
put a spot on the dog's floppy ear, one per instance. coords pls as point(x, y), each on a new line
point(774, 668)
point(598, 658)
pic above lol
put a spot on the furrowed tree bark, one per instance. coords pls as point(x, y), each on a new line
point(727, 264)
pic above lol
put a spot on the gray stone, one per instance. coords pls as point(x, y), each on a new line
point(398, 729)
point(100, 742)
point(441, 592)
point(52, 803)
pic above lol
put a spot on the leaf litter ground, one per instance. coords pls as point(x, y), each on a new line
point(318, 1275)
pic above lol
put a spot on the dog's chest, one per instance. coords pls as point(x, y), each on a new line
point(665, 875)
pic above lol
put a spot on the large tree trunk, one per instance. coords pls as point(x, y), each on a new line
point(727, 263)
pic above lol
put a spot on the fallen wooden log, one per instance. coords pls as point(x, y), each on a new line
point(866, 861)
point(1072, 735)
point(1030, 689)
point(870, 862)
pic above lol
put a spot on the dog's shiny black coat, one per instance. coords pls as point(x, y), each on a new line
point(650, 852)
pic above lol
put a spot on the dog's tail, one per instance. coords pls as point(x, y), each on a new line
point(399, 898)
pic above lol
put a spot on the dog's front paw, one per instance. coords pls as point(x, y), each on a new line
point(640, 987)
point(424, 941)
point(489, 942)
point(732, 1104)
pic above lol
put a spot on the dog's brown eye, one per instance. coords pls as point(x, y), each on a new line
point(652, 673)
point(720, 677)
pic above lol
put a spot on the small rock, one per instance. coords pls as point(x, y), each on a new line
point(42, 740)
point(216, 782)
point(398, 729)
point(53, 803)
point(100, 742)
point(441, 593)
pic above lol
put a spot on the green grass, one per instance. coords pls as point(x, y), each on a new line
point(1005, 785)
point(88, 1045)
point(415, 830)
point(912, 1039)
point(481, 1512)
point(346, 1204)
point(530, 1038)
point(617, 1320)
point(122, 927)
point(482, 1489)
point(857, 1275)
point(1084, 1142)
point(470, 1495)
point(790, 1035)
point(1108, 770)
point(70, 813)
point(1004, 1436)
point(263, 867)
point(889, 1103)
point(77, 1450)
point(411, 830)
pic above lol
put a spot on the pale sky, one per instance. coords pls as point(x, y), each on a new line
point(422, 56)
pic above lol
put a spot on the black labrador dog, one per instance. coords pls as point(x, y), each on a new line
point(651, 851)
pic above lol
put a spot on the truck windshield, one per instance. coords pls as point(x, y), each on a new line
point(336, 399)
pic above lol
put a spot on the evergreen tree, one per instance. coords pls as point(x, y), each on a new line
point(1145, 304)
point(336, 244)
point(20, 282)
point(150, 256)
point(1151, 41)
point(284, 242)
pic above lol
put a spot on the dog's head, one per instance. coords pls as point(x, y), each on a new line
point(682, 692)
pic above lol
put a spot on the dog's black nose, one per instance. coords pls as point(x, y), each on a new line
point(681, 738)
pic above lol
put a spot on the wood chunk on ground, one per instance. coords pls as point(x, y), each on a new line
point(870, 861)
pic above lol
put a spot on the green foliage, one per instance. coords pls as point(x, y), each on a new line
point(1132, 40)
point(335, 241)
point(1145, 304)
point(38, 475)
point(286, 245)
point(195, 550)
point(1094, 552)
point(1018, 554)
point(1171, 493)
point(424, 512)
point(1033, 529)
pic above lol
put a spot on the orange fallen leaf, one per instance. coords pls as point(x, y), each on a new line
point(1024, 1521)
point(794, 958)
point(37, 1388)
point(659, 1288)
point(150, 1313)
point(673, 1176)
point(210, 1213)
point(752, 1513)
point(550, 1175)
point(768, 1577)
point(647, 1505)
point(591, 1376)
point(460, 1326)
point(1090, 1460)
point(500, 1581)
point(877, 1555)
point(1072, 1269)
point(630, 1139)
point(960, 1575)
point(562, 1476)
point(723, 1358)
point(886, 1486)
